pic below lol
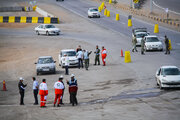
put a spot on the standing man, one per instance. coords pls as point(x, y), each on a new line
point(35, 90)
point(80, 58)
point(142, 45)
point(86, 58)
point(21, 90)
point(58, 91)
point(73, 87)
point(103, 55)
point(79, 48)
point(43, 92)
point(97, 53)
point(166, 41)
point(134, 41)
point(66, 64)
point(61, 80)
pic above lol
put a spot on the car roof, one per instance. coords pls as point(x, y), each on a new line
point(168, 67)
point(66, 50)
point(45, 57)
point(151, 36)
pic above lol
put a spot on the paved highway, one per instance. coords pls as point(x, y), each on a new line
point(80, 7)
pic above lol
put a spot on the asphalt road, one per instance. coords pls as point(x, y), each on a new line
point(171, 4)
point(80, 7)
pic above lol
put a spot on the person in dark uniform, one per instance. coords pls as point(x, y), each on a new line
point(142, 45)
point(73, 87)
point(79, 48)
point(21, 90)
point(97, 54)
point(166, 41)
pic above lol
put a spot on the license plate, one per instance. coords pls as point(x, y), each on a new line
point(45, 69)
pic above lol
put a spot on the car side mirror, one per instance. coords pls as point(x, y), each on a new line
point(35, 63)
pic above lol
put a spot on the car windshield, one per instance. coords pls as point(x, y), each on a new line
point(171, 71)
point(69, 53)
point(50, 26)
point(93, 10)
point(152, 39)
point(141, 35)
point(45, 60)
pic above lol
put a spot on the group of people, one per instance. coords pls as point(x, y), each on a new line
point(134, 41)
point(59, 88)
point(83, 55)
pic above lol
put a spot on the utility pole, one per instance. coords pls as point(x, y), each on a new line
point(151, 6)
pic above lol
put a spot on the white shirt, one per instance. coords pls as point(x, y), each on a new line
point(43, 86)
point(35, 85)
point(66, 61)
point(58, 85)
point(80, 54)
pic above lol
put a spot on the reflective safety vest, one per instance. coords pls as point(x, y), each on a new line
point(104, 53)
point(73, 86)
point(43, 90)
point(58, 87)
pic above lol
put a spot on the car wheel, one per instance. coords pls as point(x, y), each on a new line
point(37, 32)
point(160, 86)
point(57, 34)
point(47, 33)
point(99, 16)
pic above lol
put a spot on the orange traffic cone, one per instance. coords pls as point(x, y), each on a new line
point(122, 53)
point(4, 86)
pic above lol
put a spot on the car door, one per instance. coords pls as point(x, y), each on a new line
point(41, 29)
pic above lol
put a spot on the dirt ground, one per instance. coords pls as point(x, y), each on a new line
point(111, 92)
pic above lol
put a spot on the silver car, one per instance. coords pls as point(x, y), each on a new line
point(45, 64)
point(93, 12)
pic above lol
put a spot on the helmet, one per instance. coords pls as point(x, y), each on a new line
point(61, 77)
point(21, 78)
point(72, 75)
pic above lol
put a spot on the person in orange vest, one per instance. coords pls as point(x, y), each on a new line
point(43, 92)
point(103, 55)
point(58, 91)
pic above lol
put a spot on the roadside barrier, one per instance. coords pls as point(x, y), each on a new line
point(24, 19)
point(108, 13)
point(110, 1)
point(170, 47)
point(129, 23)
point(156, 28)
point(127, 58)
point(117, 17)
point(4, 86)
point(105, 12)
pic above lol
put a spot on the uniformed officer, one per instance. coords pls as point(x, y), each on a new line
point(97, 54)
point(166, 41)
point(134, 41)
point(142, 45)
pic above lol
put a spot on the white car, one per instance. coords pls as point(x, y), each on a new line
point(71, 53)
point(139, 36)
point(153, 43)
point(45, 64)
point(47, 29)
point(93, 12)
point(168, 76)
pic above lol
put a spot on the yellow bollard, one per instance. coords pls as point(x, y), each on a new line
point(156, 28)
point(117, 17)
point(34, 8)
point(170, 47)
point(108, 13)
point(127, 57)
point(129, 23)
point(110, 1)
point(102, 7)
point(105, 12)
point(99, 9)
point(103, 4)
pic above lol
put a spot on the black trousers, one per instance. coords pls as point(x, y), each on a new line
point(66, 70)
point(97, 59)
point(80, 63)
point(73, 98)
point(36, 96)
point(22, 97)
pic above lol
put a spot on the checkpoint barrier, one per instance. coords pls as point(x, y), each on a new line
point(127, 57)
point(117, 17)
point(156, 28)
point(108, 13)
point(170, 46)
point(105, 12)
point(24, 19)
point(129, 23)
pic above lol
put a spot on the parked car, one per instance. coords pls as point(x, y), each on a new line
point(45, 64)
point(153, 43)
point(136, 30)
point(139, 36)
point(93, 12)
point(168, 76)
point(71, 53)
point(47, 29)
